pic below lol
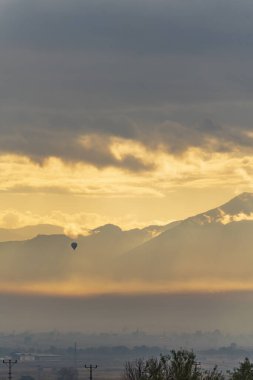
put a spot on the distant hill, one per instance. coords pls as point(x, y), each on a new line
point(28, 232)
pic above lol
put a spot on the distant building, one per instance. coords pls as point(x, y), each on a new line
point(30, 357)
point(24, 357)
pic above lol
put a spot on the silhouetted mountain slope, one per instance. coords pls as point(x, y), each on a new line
point(44, 257)
point(50, 257)
point(190, 251)
point(28, 232)
point(110, 240)
point(205, 248)
point(201, 247)
point(243, 203)
point(236, 209)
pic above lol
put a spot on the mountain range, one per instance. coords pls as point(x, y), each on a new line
point(213, 249)
point(28, 232)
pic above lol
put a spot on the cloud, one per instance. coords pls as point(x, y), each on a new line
point(174, 26)
point(226, 218)
point(194, 169)
point(73, 224)
point(165, 74)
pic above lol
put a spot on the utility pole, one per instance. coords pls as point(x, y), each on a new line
point(39, 371)
point(75, 354)
point(10, 364)
point(91, 367)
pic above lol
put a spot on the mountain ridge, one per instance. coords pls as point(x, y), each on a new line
point(241, 204)
point(202, 249)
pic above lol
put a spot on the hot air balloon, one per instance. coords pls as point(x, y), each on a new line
point(73, 245)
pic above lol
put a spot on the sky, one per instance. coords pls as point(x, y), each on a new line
point(130, 112)
point(122, 111)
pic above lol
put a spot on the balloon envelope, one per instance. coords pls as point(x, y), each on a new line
point(74, 245)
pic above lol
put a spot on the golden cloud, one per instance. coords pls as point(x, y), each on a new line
point(193, 170)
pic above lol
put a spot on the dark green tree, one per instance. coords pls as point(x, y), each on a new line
point(244, 372)
point(157, 369)
point(183, 365)
point(68, 373)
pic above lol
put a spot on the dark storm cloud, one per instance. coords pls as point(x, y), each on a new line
point(144, 26)
point(150, 71)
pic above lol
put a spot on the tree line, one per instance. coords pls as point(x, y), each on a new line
point(182, 365)
point(178, 365)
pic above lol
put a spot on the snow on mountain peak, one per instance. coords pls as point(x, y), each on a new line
point(237, 209)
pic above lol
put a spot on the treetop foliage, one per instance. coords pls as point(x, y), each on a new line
point(179, 365)
point(244, 372)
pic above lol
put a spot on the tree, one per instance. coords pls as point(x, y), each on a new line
point(134, 370)
point(183, 365)
point(157, 369)
point(244, 372)
point(214, 374)
point(179, 365)
point(69, 373)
